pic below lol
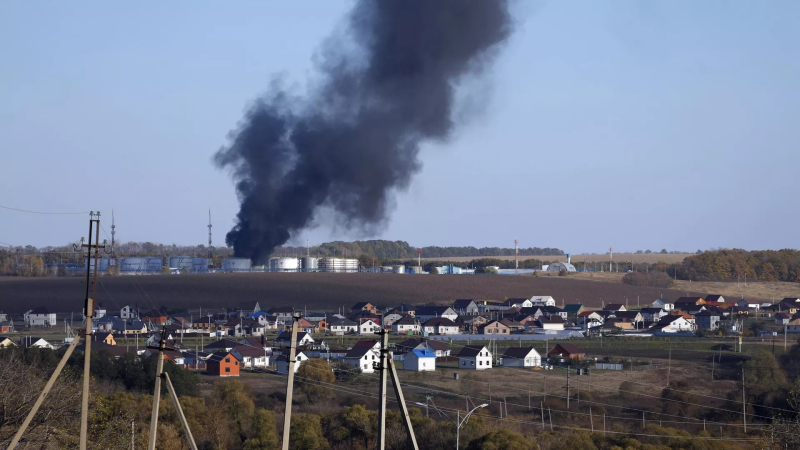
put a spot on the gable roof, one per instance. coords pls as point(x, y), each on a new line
point(713, 298)
point(572, 308)
point(222, 343)
point(692, 300)
point(470, 350)
point(246, 350)
point(518, 352)
point(432, 310)
point(462, 303)
point(40, 310)
point(570, 349)
point(405, 320)
point(357, 352)
point(361, 305)
point(409, 344)
point(424, 353)
point(587, 313)
point(366, 344)
point(614, 306)
point(440, 321)
point(551, 319)
point(343, 323)
point(287, 336)
point(219, 356)
point(626, 314)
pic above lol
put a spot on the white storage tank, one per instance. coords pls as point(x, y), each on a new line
point(200, 264)
point(283, 264)
point(181, 263)
point(236, 265)
point(338, 265)
point(140, 264)
point(399, 269)
point(309, 264)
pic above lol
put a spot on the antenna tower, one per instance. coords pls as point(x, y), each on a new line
point(516, 256)
point(209, 233)
point(113, 241)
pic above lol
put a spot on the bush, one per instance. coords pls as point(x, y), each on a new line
point(652, 279)
point(562, 273)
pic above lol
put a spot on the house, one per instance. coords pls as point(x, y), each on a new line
point(715, 298)
point(154, 316)
point(570, 351)
point(521, 357)
point(282, 362)
point(689, 302)
point(363, 358)
point(782, 318)
point(663, 305)
point(407, 325)
point(632, 316)
point(6, 327)
point(439, 348)
point(100, 311)
point(494, 327)
point(125, 327)
point(440, 325)
point(305, 325)
point(252, 357)
point(285, 337)
point(373, 344)
point(406, 309)
point(257, 342)
point(37, 342)
point(223, 364)
point(474, 357)
point(284, 314)
point(106, 338)
point(707, 320)
point(573, 309)
point(465, 306)
point(204, 324)
point(744, 305)
point(343, 326)
point(420, 361)
point(220, 345)
point(368, 327)
point(512, 324)
point(6, 342)
point(614, 307)
point(129, 312)
point(673, 323)
point(555, 323)
point(517, 303)
point(391, 318)
point(195, 360)
point(364, 306)
point(542, 300)
point(425, 313)
point(590, 319)
point(652, 314)
point(40, 317)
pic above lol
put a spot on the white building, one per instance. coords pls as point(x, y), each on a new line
point(368, 327)
point(425, 313)
point(474, 357)
point(343, 326)
point(663, 305)
point(521, 357)
point(282, 362)
point(252, 357)
point(542, 300)
point(673, 324)
point(407, 325)
point(37, 342)
point(40, 317)
point(363, 358)
point(440, 325)
point(129, 312)
point(420, 361)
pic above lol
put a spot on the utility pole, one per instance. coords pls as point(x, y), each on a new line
point(567, 387)
point(382, 390)
point(151, 445)
point(287, 419)
point(669, 365)
point(744, 406)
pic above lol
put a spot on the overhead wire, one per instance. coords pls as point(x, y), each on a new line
point(42, 212)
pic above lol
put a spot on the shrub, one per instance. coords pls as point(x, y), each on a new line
point(652, 279)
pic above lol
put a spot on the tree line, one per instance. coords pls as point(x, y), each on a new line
point(400, 250)
point(725, 265)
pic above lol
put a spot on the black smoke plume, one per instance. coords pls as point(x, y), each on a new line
point(386, 86)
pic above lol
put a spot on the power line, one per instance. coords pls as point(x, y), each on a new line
point(41, 212)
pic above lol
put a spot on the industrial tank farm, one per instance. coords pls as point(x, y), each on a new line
point(284, 264)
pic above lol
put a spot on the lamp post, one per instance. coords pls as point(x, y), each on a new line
point(460, 422)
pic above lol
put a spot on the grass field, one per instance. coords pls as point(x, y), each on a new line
point(325, 291)
point(618, 257)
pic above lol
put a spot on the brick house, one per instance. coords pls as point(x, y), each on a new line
point(223, 364)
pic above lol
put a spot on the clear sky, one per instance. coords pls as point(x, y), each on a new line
point(636, 125)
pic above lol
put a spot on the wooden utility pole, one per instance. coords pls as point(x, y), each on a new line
point(567, 387)
point(541, 406)
point(398, 392)
point(287, 417)
point(744, 406)
point(94, 221)
point(669, 365)
point(591, 419)
point(151, 445)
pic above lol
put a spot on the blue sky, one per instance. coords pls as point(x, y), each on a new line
point(627, 124)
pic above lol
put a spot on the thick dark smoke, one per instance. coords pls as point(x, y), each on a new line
point(386, 87)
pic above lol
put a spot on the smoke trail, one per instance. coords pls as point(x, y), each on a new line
point(357, 137)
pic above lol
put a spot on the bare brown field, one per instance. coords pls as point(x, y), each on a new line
point(325, 291)
point(650, 258)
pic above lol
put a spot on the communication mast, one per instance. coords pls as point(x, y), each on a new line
point(113, 233)
point(209, 233)
point(610, 259)
point(516, 256)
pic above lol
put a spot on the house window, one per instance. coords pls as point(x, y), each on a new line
point(227, 369)
point(472, 363)
point(480, 363)
point(227, 360)
point(463, 363)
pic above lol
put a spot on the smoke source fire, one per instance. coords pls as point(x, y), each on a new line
point(387, 86)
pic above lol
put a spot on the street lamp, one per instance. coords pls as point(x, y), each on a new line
point(460, 422)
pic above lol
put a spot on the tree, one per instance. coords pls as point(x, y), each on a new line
point(502, 440)
point(314, 372)
point(434, 271)
point(486, 270)
point(664, 251)
point(648, 251)
point(306, 433)
point(359, 423)
point(263, 431)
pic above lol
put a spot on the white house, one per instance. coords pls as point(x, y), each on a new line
point(673, 324)
point(744, 304)
point(517, 303)
point(661, 304)
point(793, 326)
point(652, 314)
point(542, 300)
point(590, 319)
point(391, 318)
point(303, 338)
point(474, 357)
point(425, 313)
point(37, 342)
point(407, 325)
point(555, 323)
point(440, 325)
point(362, 357)
point(40, 317)
point(420, 361)
point(129, 312)
point(282, 362)
point(368, 327)
point(521, 357)
point(343, 326)
point(252, 357)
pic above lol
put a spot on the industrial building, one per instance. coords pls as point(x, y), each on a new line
point(337, 265)
point(284, 264)
point(140, 264)
point(236, 265)
point(559, 266)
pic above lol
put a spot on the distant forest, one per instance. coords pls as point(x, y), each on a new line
point(760, 265)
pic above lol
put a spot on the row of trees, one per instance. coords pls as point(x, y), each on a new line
point(763, 265)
